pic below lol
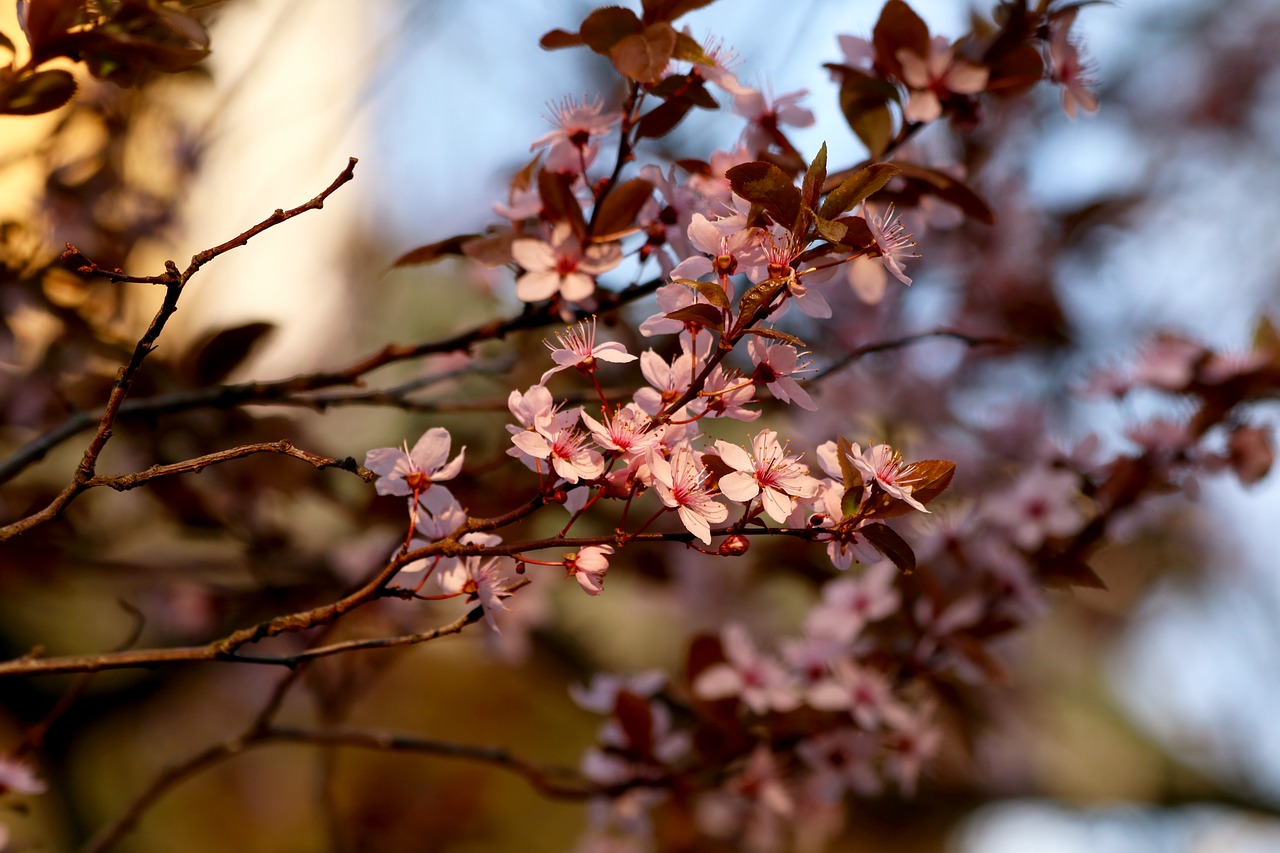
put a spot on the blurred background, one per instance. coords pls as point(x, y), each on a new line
point(1141, 718)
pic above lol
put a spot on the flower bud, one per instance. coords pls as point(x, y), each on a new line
point(734, 546)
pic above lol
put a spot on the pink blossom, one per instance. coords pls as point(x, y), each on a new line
point(883, 466)
point(565, 446)
point(561, 265)
point(892, 243)
point(667, 381)
point(1043, 502)
point(602, 694)
point(726, 394)
point(588, 567)
point(627, 431)
point(775, 365)
point(572, 145)
point(757, 679)
point(480, 580)
point(1069, 69)
point(936, 77)
point(767, 472)
point(913, 740)
point(681, 484)
point(863, 691)
point(415, 472)
point(17, 777)
point(848, 604)
point(578, 348)
point(842, 760)
point(766, 117)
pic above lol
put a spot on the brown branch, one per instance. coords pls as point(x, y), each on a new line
point(125, 482)
point(906, 341)
point(174, 283)
point(548, 781)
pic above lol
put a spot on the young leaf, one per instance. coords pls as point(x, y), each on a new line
point(556, 189)
point(758, 297)
point(605, 27)
point(889, 543)
point(708, 290)
point(636, 720)
point(864, 101)
point(775, 335)
point(645, 55)
point(768, 186)
point(620, 207)
point(558, 39)
point(851, 476)
point(698, 314)
point(899, 28)
point(433, 251)
point(929, 478)
point(856, 188)
point(948, 189)
point(41, 92)
point(814, 177)
point(216, 354)
point(669, 10)
point(663, 118)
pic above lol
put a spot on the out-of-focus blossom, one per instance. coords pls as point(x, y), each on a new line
point(17, 778)
point(936, 77)
point(571, 145)
point(1043, 502)
point(757, 679)
point(848, 604)
point(1068, 68)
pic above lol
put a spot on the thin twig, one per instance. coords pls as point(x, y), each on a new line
point(174, 283)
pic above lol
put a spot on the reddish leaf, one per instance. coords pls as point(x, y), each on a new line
point(890, 544)
point(44, 22)
point(830, 229)
point(768, 186)
point(757, 297)
point(689, 50)
point(607, 26)
point(699, 314)
point(929, 478)
point(948, 189)
point(1016, 71)
point(775, 335)
point(620, 207)
point(864, 101)
point(556, 190)
point(705, 652)
point(216, 354)
point(814, 177)
point(434, 251)
point(1061, 571)
point(636, 719)
point(557, 39)
point(856, 188)
point(7, 43)
point(708, 290)
point(41, 92)
point(663, 118)
point(644, 56)
point(669, 10)
point(851, 476)
point(899, 28)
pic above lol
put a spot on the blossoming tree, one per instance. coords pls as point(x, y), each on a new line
point(669, 416)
